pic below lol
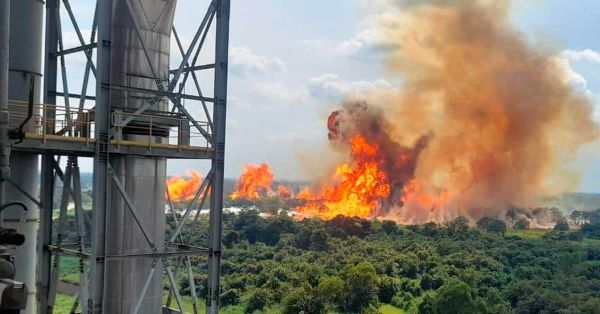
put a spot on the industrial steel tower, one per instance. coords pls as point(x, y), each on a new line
point(137, 117)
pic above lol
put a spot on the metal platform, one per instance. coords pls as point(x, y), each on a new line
point(71, 133)
point(85, 147)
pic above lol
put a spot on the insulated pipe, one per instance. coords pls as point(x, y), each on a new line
point(4, 117)
point(25, 62)
point(142, 177)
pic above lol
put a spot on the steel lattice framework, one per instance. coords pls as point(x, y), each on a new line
point(91, 127)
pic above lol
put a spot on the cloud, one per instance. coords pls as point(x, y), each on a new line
point(581, 55)
point(232, 124)
point(569, 74)
point(325, 87)
point(365, 43)
point(280, 93)
point(566, 59)
point(330, 86)
point(238, 103)
point(370, 41)
point(243, 61)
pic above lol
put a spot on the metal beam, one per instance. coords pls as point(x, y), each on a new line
point(173, 213)
point(79, 217)
point(45, 232)
point(196, 83)
point(101, 183)
point(218, 162)
point(174, 97)
point(51, 63)
point(192, 284)
point(195, 68)
point(47, 175)
point(146, 285)
point(81, 148)
point(159, 254)
point(65, 251)
point(204, 34)
point(135, 5)
point(71, 95)
point(131, 206)
point(182, 109)
point(191, 281)
point(136, 113)
point(207, 17)
point(174, 286)
point(61, 176)
point(88, 65)
point(88, 52)
point(62, 217)
point(75, 305)
point(160, 93)
point(63, 68)
point(185, 77)
point(200, 191)
point(24, 192)
point(69, 51)
point(204, 197)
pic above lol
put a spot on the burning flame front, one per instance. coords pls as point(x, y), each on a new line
point(482, 122)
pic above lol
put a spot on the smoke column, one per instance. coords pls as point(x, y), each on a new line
point(488, 120)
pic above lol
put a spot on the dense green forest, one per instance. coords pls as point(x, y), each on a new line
point(349, 265)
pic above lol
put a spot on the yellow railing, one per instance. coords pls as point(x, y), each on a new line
point(55, 122)
point(52, 120)
point(160, 130)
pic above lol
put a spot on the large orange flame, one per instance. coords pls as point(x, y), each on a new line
point(284, 191)
point(254, 182)
point(483, 121)
point(184, 189)
point(305, 194)
point(414, 190)
point(357, 189)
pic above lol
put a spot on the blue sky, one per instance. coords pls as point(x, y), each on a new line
point(292, 61)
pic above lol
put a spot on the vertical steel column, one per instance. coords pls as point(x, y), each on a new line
point(80, 221)
point(45, 233)
point(218, 162)
point(47, 176)
point(101, 184)
point(51, 63)
point(4, 116)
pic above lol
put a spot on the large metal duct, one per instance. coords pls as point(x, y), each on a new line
point(143, 177)
point(26, 18)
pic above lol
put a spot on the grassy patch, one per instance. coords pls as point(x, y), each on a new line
point(390, 309)
point(63, 304)
point(232, 309)
point(70, 278)
point(591, 242)
point(186, 303)
point(69, 265)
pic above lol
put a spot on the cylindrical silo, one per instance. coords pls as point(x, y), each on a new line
point(26, 18)
point(142, 177)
